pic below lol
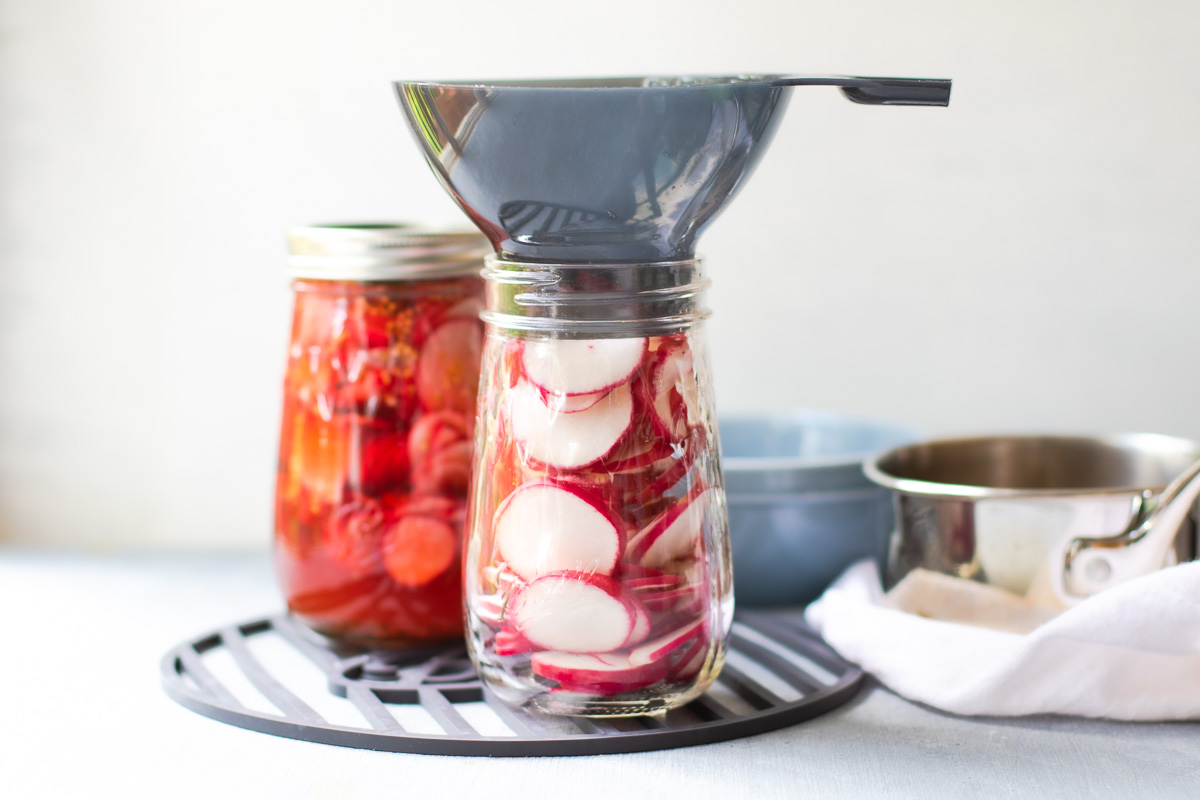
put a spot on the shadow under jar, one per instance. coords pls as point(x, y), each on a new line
point(378, 416)
point(598, 578)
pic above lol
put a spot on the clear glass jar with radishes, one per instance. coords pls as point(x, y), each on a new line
point(598, 579)
point(378, 416)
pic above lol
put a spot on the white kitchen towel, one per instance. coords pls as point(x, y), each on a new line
point(1131, 652)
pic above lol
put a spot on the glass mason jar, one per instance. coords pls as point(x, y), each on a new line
point(598, 578)
point(375, 446)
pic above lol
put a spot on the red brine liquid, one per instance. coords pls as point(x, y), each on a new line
point(375, 457)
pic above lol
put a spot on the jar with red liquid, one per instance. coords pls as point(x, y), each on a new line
point(376, 439)
point(598, 577)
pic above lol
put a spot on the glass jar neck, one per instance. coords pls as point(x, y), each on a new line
point(595, 300)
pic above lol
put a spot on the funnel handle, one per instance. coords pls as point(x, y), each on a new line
point(879, 91)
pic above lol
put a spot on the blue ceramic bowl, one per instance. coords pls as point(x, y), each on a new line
point(800, 508)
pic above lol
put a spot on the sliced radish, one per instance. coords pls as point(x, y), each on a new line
point(446, 472)
point(610, 673)
point(433, 433)
point(581, 366)
point(676, 533)
point(654, 584)
point(508, 642)
point(641, 623)
point(568, 441)
point(575, 612)
point(547, 526)
point(676, 469)
point(571, 403)
point(489, 608)
point(684, 599)
point(630, 571)
point(666, 644)
point(448, 367)
point(691, 659)
point(637, 453)
point(673, 391)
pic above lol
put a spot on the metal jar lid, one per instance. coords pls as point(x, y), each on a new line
point(384, 252)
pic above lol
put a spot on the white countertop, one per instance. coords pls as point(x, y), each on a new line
point(85, 716)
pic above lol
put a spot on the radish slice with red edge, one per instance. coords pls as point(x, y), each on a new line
point(639, 453)
point(686, 599)
point(641, 623)
point(676, 533)
point(571, 403)
point(581, 366)
point(576, 612)
point(668, 478)
point(630, 570)
point(654, 584)
point(691, 659)
point(610, 673)
point(568, 441)
point(489, 608)
point(673, 391)
point(666, 644)
point(547, 526)
point(510, 643)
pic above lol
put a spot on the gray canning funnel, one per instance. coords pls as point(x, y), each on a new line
point(610, 169)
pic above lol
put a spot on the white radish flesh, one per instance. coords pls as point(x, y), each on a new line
point(666, 644)
point(568, 441)
point(545, 527)
point(581, 366)
point(574, 612)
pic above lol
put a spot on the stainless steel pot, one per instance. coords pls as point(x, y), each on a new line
point(1074, 514)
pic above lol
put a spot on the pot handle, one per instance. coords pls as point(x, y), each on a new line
point(878, 91)
point(1091, 565)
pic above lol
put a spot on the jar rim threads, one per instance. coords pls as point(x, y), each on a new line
point(595, 300)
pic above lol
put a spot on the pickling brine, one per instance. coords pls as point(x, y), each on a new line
point(598, 575)
point(375, 445)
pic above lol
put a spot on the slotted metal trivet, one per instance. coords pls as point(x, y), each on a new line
point(778, 672)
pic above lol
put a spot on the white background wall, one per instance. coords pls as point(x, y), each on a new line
point(1024, 260)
